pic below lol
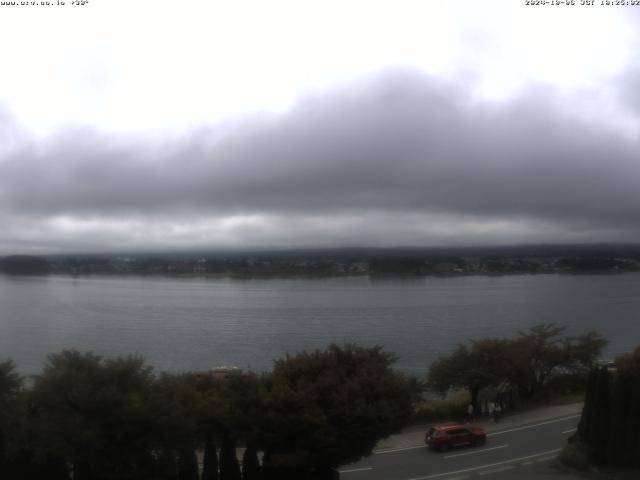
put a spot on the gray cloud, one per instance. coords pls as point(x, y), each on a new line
point(398, 158)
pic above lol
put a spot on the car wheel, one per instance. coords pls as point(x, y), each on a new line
point(479, 441)
point(445, 447)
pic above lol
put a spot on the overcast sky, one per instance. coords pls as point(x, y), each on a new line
point(206, 124)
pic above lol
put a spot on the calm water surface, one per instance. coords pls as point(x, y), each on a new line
point(187, 324)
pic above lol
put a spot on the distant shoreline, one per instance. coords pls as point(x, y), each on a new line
point(399, 263)
point(221, 276)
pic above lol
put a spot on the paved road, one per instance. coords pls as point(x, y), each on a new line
point(505, 450)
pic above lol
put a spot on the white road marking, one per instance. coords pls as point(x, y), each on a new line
point(545, 459)
point(476, 451)
point(496, 470)
point(391, 450)
point(533, 426)
point(364, 469)
point(487, 466)
point(570, 430)
point(402, 449)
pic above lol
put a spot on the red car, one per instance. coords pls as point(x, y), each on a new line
point(446, 436)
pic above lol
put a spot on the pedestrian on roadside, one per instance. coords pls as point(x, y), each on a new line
point(470, 412)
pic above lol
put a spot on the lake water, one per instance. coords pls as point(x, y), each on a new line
point(198, 323)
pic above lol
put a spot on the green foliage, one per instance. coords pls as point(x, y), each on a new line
point(177, 408)
point(10, 382)
point(114, 419)
point(609, 428)
point(483, 365)
point(11, 423)
point(541, 353)
point(94, 413)
point(328, 408)
point(529, 363)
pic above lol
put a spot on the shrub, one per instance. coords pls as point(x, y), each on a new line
point(574, 457)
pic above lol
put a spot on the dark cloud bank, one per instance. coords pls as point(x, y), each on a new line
point(398, 159)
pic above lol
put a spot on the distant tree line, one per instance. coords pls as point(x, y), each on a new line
point(273, 265)
point(609, 429)
point(90, 418)
point(537, 363)
point(24, 265)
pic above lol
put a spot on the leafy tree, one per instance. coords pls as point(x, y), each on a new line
point(10, 382)
point(486, 363)
point(327, 408)
point(526, 363)
point(94, 414)
point(176, 407)
point(229, 411)
point(11, 426)
point(540, 353)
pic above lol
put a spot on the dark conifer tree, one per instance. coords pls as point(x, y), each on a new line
point(210, 460)
point(620, 404)
point(599, 433)
point(586, 419)
point(251, 464)
point(229, 466)
point(631, 431)
point(167, 466)
point(188, 466)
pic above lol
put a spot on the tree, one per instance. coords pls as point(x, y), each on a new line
point(610, 422)
point(540, 353)
point(176, 407)
point(601, 424)
point(526, 363)
point(628, 371)
point(483, 365)
point(230, 411)
point(210, 459)
point(24, 265)
point(187, 465)
point(11, 424)
point(94, 414)
point(250, 464)
point(10, 382)
point(229, 466)
point(588, 412)
point(327, 408)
